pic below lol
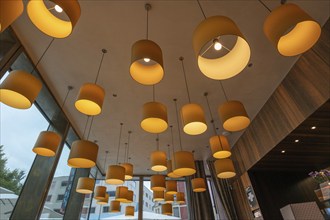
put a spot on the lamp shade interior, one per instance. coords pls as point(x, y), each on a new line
point(193, 119)
point(83, 154)
point(9, 11)
point(47, 143)
point(184, 163)
point(90, 99)
point(158, 161)
point(224, 168)
point(220, 146)
point(115, 175)
point(154, 118)
point(85, 185)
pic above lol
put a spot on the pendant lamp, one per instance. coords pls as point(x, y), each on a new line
point(9, 11)
point(169, 198)
point(157, 182)
point(85, 185)
point(154, 119)
point(224, 168)
point(129, 198)
point(128, 166)
point(91, 96)
point(192, 114)
point(212, 31)
point(198, 185)
point(147, 60)
point(121, 193)
point(180, 198)
point(104, 200)
point(291, 30)
point(129, 211)
point(51, 23)
point(167, 209)
point(114, 206)
point(100, 192)
point(158, 196)
point(170, 172)
point(158, 159)
point(171, 187)
point(116, 173)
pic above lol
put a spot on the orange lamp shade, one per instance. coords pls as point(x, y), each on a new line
point(121, 193)
point(103, 201)
point(129, 198)
point(169, 198)
point(167, 209)
point(193, 119)
point(147, 62)
point(47, 144)
point(154, 119)
point(184, 163)
point(158, 196)
point(180, 198)
point(224, 168)
point(114, 206)
point(171, 187)
point(115, 175)
point(128, 170)
point(48, 22)
point(170, 172)
point(100, 192)
point(9, 12)
point(90, 99)
point(157, 182)
point(83, 154)
point(198, 185)
point(129, 211)
point(291, 30)
point(85, 185)
point(19, 89)
point(158, 161)
point(220, 146)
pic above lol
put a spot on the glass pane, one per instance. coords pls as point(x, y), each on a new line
point(7, 41)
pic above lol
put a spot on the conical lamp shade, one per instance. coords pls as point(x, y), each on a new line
point(167, 209)
point(90, 99)
point(85, 185)
point(224, 168)
point(128, 170)
point(50, 24)
point(115, 175)
point(154, 117)
point(19, 89)
point(83, 154)
point(291, 30)
point(170, 170)
point(151, 72)
point(198, 184)
point(158, 196)
point(157, 183)
point(193, 119)
point(180, 198)
point(228, 65)
point(171, 187)
point(169, 198)
point(103, 201)
point(100, 192)
point(184, 163)
point(129, 211)
point(9, 11)
point(233, 116)
point(220, 146)
point(47, 144)
point(121, 193)
point(114, 206)
point(158, 161)
point(129, 198)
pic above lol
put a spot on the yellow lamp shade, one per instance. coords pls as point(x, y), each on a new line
point(167, 209)
point(157, 183)
point(103, 201)
point(224, 168)
point(169, 198)
point(154, 117)
point(83, 154)
point(100, 192)
point(180, 198)
point(129, 198)
point(115, 175)
point(85, 185)
point(220, 146)
point(198, 184)
point(90, 99)
point(158, 161)
point(193, 119)
point(171, 187)
point(170, 172)
point(129, 211)
point(128, 170)
point(121, 193)
point(184, 163)
point(228, 65)
point(19, 89)
point(47, 144)
point(9, 12)
point(233, 116)
point(50, 24)
point(147, 62)
point(291, 30)
point(158, 196)
point(114, 206)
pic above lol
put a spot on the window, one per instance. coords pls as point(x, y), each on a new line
point(64, 183)
point(112, 193)
point(105, 209)
point(49, 197)
point(92, 210)
point(60, 197)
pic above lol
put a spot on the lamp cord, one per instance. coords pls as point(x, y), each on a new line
point(157, 141)
point(90, 127)
point(199, 4)
point(169, 151)
point(265, 5)
point(177, 120)
point(128, 139)
point(172, 138)
point(86, 126)
point(185, 77)
point(43, 54)
point(223, 90)
point(104, 51)
point(147, 7)
point(153, 93)
point(125, 154)
point(121, 128)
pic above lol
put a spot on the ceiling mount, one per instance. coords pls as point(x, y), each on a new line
point(104, 50)
point(147, 6)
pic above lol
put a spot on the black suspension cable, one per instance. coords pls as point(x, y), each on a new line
point(125, 153)
point(168, 151)
point(265, 5)
point(185, 77)
point(153, 93)
point(128, 139)
point(177, 120)
point(104, 51)
point(172, 138)
point(157, 142)
point(85, 126)
point(66, 96)
point(147, 7)
point(199, 4)
point(43, 54)
point(223, 90)
point(121, 128)
point(90, 127)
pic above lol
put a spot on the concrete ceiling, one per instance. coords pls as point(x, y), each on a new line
point(116, 25)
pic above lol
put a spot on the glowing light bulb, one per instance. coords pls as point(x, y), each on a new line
point(147, 60)
point(283, 151)
point(217, 45)
point(58, 9)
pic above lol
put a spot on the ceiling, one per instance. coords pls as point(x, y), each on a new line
point(115, 26)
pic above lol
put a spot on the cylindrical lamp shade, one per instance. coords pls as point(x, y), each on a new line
point(157, 183)
point(180, 198)
point(129, 198)
point(220, 146)
point(129, 211)
point(115, 175)
point(171, 187)
point(233, 116)
point(103, 201)
point(224, 168)
point(114, 206)
point(47, 143)
point(128, 170)
point(228, 65)
point(169, 198)
point(158, 196)
point(147, 62)
point(291, 30)
point(48, 23)
point(167, 209)
point(19, 89)
point(85, 185)
point(83, 154)
point(193, 119)
point(158, 161)
point(9, 11)
point(198, 184)
point(121, 193)
point(90, 99)
point(170, 172)
point(154, 117)
point(184, 163)
point(100, 192)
